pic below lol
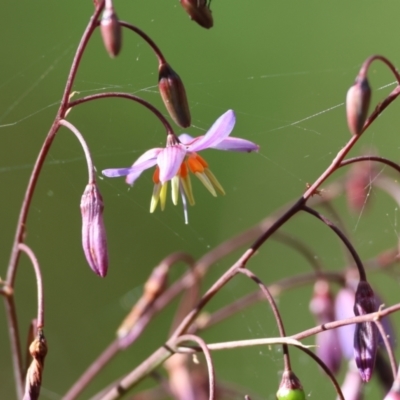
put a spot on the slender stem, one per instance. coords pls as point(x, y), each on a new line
point(382, 160)
point(128, 96)
point(157, 51)
point(369, 60)
point(39, 283)
point(343, 238)
point(207, 355)
point(392, 358)
point(20, 229)
point(85, 148)
point(325, 368)
point(275, 311)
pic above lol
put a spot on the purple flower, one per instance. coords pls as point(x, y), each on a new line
point(174, 162)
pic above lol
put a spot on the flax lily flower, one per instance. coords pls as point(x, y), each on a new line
point(175, 161)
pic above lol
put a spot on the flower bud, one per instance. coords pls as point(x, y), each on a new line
point(358, 183)
point(94, 240)
point(357, 104)
point(199, 11)
point(290, 388)
point(365, 333)
point(328, 346)
point(153, 287)
point(352, 387)
point(111, 30)
point(174, 95)
point(33, 381)
point(394, 393)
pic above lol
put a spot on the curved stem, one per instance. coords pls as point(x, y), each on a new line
point(157, 51)
point(392, 358)
point(382, 160)
point(85, 148)
point(128, 96)
point(207, 355)
point(343, 238)
point(369, 60)
point(275, 311)
point(325, 368)
point(20, 229)
point(39, 283)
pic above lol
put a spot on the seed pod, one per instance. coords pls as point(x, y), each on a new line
point(357, 104)
point(33, 381)
point(111, 30)
point(174, 95)
point(94, 239)
point(290, 387)
point(199, 11)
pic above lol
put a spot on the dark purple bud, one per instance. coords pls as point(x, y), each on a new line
point(111, 30)
point(364, 302)
point(290, 387)
point(357, 104)
point(199, 11)
point(174, 95)
point(365, 333)
point(94, 240)
point(365, 348)
point(328, 346)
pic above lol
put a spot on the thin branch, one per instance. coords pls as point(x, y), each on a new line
point(39, 283)
point(343, 238)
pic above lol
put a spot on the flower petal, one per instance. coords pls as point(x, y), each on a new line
point(221, 129)
point(169, 160)
point(236, 144)
point(185, 139)
point(145, 161)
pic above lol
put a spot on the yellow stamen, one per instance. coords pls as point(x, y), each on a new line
point(155, 197)
point(187, 188)
point(214, 181)
point(175, 189)
point(206, 182)
point(163, 195)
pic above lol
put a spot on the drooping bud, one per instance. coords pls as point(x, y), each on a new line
point(153, 287)
point(111, 30)
point(328, 346)
point(358, 182)
point(199, 11)
point(94, 239)
point(174, 95)
point(394, 393)
point(365, 333)
point(290, 387)
point(33, 382)
point(357, 104)
point(352, 387)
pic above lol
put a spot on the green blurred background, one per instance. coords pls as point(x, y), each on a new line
point(284, 67)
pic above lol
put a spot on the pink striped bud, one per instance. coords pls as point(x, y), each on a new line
point(365, 333)
point(174, 95)
point(357, 104)
point(94, 240)
point(111, 30)
point(328, 346)
point(199, 11)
